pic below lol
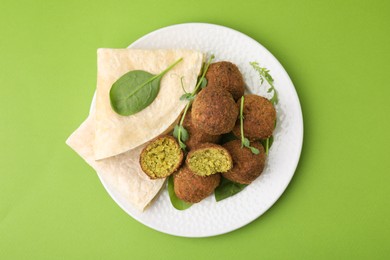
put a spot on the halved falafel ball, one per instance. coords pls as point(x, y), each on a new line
point(196, 134)
point(259, 118)
point(208, 159)
point(193, 188)
point(247, 166)
point(226, 75)
point(214, 111)
point(161, 157)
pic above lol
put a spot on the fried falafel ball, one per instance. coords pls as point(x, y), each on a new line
point(193, 188)
point(161, 157)
point(214, 111)
point(226, 75)
point(259, 118)
point(247, 166)
point(196, 134)
point(208, 159)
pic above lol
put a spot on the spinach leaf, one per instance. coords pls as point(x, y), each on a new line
point(176, 202)
point(227, 189)
point(136, 90)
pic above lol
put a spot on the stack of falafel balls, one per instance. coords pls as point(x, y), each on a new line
point(214, 113)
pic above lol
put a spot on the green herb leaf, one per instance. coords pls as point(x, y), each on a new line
point(176, 202)
point(184, 134)
point(227, 189)
point(136, 90)
point(274, 99)
point(254, 150)
point(246, 142)
point(187, 96)
point(203, 83)
point(176, 131)
point(182, 145)
point(265, 75)
point(181, 134)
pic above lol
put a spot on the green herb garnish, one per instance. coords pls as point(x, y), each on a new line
point(245, 141)
point(176, 202)
point(264, 75)
point(179, 132)
point(136, 90)
point(227, 189)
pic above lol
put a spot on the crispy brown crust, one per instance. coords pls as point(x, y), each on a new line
point(143, 152)
point(205, 146)
point(246, 165)
point(214, 111)
point(226, 75)
point(259, 118)
point(196, 134)
point(193, 188)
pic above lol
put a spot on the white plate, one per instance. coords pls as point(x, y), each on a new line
point(210, 218)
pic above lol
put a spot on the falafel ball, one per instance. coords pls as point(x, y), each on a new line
point(259, 118)
point(226, 75)
point(214, 111)
point(208, 159)
point(193, 188)
point(247, 166)
point(161, 157)
point(196, 134)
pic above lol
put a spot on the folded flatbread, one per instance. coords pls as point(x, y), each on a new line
point(122, 173)
point(116, 134)
point(118, 140)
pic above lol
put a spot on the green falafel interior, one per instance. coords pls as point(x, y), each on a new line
point(161, 157)
point(208, 161)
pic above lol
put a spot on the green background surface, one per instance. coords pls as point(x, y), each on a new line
point(52, 205)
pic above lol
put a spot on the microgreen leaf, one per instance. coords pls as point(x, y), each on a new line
point(264, 74)
point(246, 142)
point(184, 134)
point(203, 83)
point(182, 145)
point(176, 131)
point(254, 150)
point(187, 96)
point(227, 189)
point(176, 202)
point(181, 134)
point(136, 90)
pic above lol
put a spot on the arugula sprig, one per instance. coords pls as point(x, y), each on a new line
point(245, 141)
point(264, 75)
point(179, 132)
